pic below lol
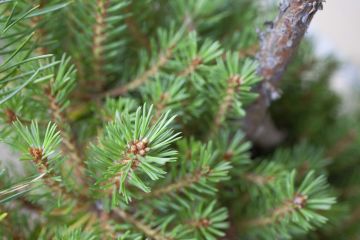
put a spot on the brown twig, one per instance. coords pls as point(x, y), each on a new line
point(160, 106)
point(297, 202)
point(142, 78)
point(59, 118)
point(147, 230)
point(83, 203)
point(98, 40)
point(258, 179)
point(10, 115)
point(234, 83)
point(191, 68)
point(178, 185)
point(165, 97)
point(42, 165)
point(40, 33)
point(249, 51)
point(68, 146)
point(135, 30)
point(277, 46)
point(199, 223)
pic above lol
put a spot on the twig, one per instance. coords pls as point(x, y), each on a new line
point(98, 40)
point(140, 80)
point(60, 119)
point(69, 148)
point(147, 230)
point(11, 116)
point(178, 185)
point(160, 106)
point(135, 30)
point(83, 202)
point(258, 179)
point(249, 51)
point(42, 165)
point(277, 46)
point(40, 33)
point(234, 83)
point(297, 202)
point(191, 68)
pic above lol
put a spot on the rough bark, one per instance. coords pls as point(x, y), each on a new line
point(277, 46)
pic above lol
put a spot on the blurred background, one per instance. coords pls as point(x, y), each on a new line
point(336, 30)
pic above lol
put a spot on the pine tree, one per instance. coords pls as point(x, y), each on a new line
point(152, 120)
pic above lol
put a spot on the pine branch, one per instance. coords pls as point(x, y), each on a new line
point(131, 156)
point(258, 179)
point(40, 33)
point(147, 230)
point(17, 35)
point(58, 117)
point(10, 115)
point(204, 172)
point(142, 78)
point(69, 147)
point(43, 154)
point(249, 51)
point(131, 151)
point(160, 106)
point(196, 56)
point(297, 206)
point(25, 204)
point(42, 165)
point(98, 39)
point(82, 201)
point(135, 30)
point(277, 46)
point(289, 206)
point(195, 63)
point(166, 92)
point(234, 83)
point(179, 185)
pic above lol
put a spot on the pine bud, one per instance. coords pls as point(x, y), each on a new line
point(300, 201)
point(140, 145)
point(145, 141)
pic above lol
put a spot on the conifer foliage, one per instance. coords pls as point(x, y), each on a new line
point(127, 117)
